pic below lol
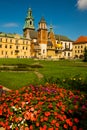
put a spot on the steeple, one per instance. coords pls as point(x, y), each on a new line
point(51, 36)
point(29, 21)
point(42, 24)
point(51, 28)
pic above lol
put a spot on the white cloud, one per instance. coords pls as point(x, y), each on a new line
point(82, 4)
point(9, 25)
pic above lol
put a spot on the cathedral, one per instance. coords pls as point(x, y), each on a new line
point(44, 43)
point(41, 43)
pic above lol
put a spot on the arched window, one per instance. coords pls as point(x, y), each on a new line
point(30, 22)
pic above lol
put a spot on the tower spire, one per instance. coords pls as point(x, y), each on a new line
point(29, 21)
point(51, 28)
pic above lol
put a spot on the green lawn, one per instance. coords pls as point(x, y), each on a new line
point(56, 69)
point(64, 69)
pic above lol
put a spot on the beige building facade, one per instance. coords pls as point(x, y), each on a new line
point(14, 46)
point(78, 47)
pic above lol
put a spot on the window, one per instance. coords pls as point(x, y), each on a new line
point(26, 42)
point(11, 52)
point(23, 47)
point(10, 40)
point(69, 45)
point(30, 22)
point(2, 52)
point(64, 53)
point(65, 45)
point(16, 47)
point(6, 52)
point(23, 42)
point(68, 54)
point(16, 41)
point(75, 46)
point(10, 46)
point(78, 51)
point(0, 45)
point(43, 50)
point(30, 14)
point(5, 46)
point(81, 51)
point(6, 40)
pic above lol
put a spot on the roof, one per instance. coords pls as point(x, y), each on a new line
point(62, 38)
point(42, 20)
point(81, 39)
point(33, 34)
point(11, 35)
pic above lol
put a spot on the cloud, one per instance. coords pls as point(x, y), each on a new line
point(82, 4)
point(9, 25)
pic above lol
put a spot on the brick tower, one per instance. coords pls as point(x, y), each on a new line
point(43, 37)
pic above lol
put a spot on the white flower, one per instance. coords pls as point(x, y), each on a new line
point(11, 125)
point(19, 108)
point(26, 102)
point(13, 107)
point(18, 124)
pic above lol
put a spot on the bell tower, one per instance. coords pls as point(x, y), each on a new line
point(29, 24)
point(51, 36)
point(43, 37)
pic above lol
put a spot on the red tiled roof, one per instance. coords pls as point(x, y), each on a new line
point(81, 39)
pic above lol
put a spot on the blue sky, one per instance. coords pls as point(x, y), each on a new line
point(68, 17)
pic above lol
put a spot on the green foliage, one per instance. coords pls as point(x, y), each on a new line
point(73, 83)
point(85, 55)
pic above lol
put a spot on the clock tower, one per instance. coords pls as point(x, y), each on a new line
point(43, 37)
point(29, 24)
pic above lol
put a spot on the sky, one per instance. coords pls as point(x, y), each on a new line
point(68, 17)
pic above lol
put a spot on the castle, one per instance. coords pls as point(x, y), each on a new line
point(41, 43)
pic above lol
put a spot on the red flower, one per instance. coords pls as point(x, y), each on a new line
point(41, 128)
point(53, 122)
point(74, 127)
point(76, 120)
point(0, 112)
point(70, 123)
point(65, 126)
point(57, 124)
point(37, 124)
point(47, 113)
point(26, 128)
point(51, 128)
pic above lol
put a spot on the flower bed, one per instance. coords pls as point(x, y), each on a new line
point(43, 108)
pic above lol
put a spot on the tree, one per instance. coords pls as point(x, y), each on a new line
point(85, 55)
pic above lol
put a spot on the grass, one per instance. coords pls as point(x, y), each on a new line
point(57, 69)
point(64, 69)
point(15, 80)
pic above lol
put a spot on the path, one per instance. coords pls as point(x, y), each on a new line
point(39, 75)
